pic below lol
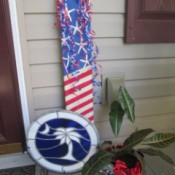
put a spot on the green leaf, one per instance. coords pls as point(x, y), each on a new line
point(127, 103)
point(153, 152)
point(142, 162)
point(160, 140)
point(116, 117)
point(98, 161)
point(135, 138)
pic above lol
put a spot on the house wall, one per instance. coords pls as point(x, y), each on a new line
point(148, 68)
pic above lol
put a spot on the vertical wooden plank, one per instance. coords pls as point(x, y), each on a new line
point(25, 55)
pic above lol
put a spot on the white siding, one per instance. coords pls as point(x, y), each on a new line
point(149, 68)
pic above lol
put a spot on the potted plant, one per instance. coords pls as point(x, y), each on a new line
point(127, 159)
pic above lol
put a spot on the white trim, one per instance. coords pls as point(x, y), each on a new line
point(19, 64)
point(15, 160)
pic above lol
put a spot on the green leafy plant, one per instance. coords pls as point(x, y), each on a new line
point(109, 152)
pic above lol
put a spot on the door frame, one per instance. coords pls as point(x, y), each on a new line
point(19, 64)
point(19, 159)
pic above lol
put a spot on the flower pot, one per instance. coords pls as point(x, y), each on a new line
point(125, 164)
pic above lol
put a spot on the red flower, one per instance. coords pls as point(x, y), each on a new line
point(136, 170)
point(120, 172)
point(120, 168)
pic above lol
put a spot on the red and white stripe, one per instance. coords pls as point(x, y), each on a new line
point(79, 93)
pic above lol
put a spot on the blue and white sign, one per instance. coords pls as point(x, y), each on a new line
point(62, 141)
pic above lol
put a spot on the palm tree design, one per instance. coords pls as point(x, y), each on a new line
point(66, 136)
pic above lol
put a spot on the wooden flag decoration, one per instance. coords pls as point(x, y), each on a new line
point(78, 55)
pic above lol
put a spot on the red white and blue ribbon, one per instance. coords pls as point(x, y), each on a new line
point(78, 55)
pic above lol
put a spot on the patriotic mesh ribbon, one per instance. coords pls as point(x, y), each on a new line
point(78, 55)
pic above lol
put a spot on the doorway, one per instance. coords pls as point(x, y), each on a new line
point(11, 124)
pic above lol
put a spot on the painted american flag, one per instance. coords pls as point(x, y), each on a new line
point(78, 55)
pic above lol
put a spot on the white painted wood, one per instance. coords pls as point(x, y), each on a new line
point(45, 28)
point(39, 6)
point(51, 74)
point(114, 25)
point(19, 65)
point(120, 139)
point(48, 51)
point(156, 106)
point(139, 89)
point(144, 108)
point(115, 48)
point(44, 51)
point(48, 98)
point(48, 6)
point(141, 69)
point(40, 112)
point(159, 166)
point(112, 6)
point(158, 123)
point(46, 75)
point(15, 160)
point(54, 98)
point(25, 56)
point(151, 88)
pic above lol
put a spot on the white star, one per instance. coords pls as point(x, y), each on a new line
point(68, 12)
point(76, 28)
point(68, 61)
point(85, 61)
point(81, 45)
point(64, 41)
